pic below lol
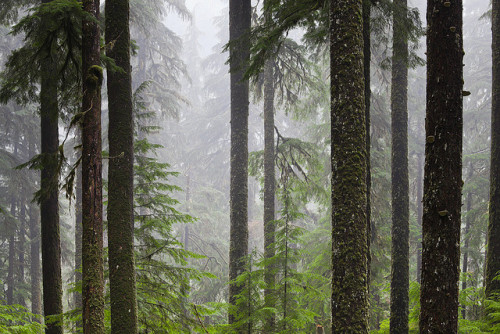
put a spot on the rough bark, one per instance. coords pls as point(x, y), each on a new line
point(92, 239)
point(443, 169)
point(420, 180)
point(349, 163)
point(367, 5)
point(121, 172)
point(399, 169)
point(493, 242)
point(269, 192)
point(49, 204)
point(77, 296)
point(239, 27)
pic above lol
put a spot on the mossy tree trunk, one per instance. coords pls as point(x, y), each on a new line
point(493, 242)
point(443, 169)
point(49, 204)
point(121, 171)
point(92, 239)
point(269, 192)
point(367, 55)
point(12, 253)
point(349, 163)
point(400, 251)
point(77, 295)
point(239, 27)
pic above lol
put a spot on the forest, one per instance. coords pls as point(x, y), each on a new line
point(250, 166)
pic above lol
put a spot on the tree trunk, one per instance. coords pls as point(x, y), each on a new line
point(400, 279)
point(49, 204)
point(443, 169)
point(420, 180)
point(12, 253)
point(239, 27)
point(35, 272)
point(121, 172)
point(77, 296)
point(269, 192)
point(349, 163)
point(92, 254)
point(21, 247)
point(493, 242)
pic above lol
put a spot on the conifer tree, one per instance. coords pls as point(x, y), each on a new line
point(493, 242)
point(121, 171)
point(349, 190)
point(443, 169)
point(400, 279)
point(92, 238)
point(239, 28)
point(49, 204)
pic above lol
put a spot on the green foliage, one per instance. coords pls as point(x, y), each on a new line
point(15, 319)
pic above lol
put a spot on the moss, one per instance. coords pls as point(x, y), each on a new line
point(94, 76)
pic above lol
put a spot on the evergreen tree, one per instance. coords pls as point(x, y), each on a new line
point(443, 169)
point(92, 237)
point(121, 171)
point(400, 279)
point(239, 29)
point(49, 204)
point(493, 242)
point(349, 203)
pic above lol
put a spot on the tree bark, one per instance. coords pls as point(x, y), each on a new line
point(400, 280)
point(121, 172)
point(349, 169)
point(49, 204)
point(443, 169)
point(12, 253)
point(21, 247)
point(92, 239)
point(493, 241)
point(239, 27)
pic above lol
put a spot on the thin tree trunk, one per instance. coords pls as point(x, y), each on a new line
point(420, 180)
point(21, 247)
point(239, 27)
point(269, 192)
point(92, 239)
point(468, 207)
point(443, 169)
point(12, 253)
point(400, 268)
point(49, 204)
point(493, 241)
point(77, 296)
point(35, 270)
point(349, 164)
point(121, 172)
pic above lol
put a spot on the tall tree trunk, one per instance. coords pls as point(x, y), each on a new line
point(49, 204)
point(77, 296)
point(239, 27)
point(400, 279)
point(269, 192)
point(367, 55)
point(92, 239)
point(443, 169)
point(12, 253)
point(35, 270)
point(465, 263)
point(420, 180)
point(21, 247)
point(349, 163)
point(493, 242)
point(121, 172)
